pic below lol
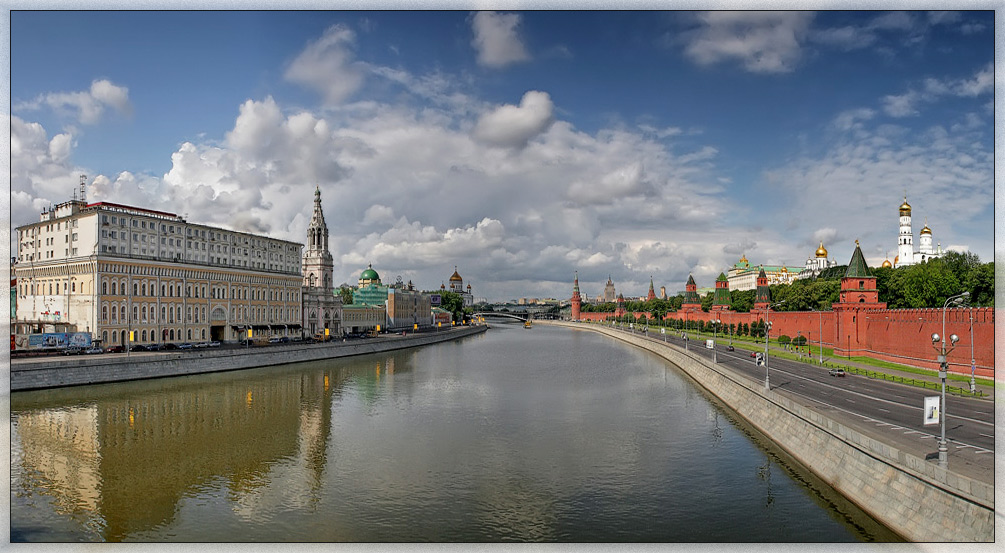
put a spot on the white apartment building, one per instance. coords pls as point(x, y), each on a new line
point(112, 269)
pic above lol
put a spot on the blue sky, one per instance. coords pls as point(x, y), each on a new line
point(520, 146)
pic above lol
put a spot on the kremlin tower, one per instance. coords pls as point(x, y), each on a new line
point(577, 301)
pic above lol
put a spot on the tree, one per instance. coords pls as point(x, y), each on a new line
point(454, 303)
point(706, 302)
point(961, 264)
point(346, 294)
point(981, 284)
point(924, 285)
point(742, 300)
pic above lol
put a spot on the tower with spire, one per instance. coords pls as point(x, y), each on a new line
point(691, 300)
point(652, 292)
point(577, 300)
point(858, 293)
point(322, 307)
point(762, 298)
point(721, 300)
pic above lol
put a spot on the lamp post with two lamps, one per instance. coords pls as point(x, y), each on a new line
point(943, 369)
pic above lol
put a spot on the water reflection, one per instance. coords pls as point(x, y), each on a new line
point(123, 459)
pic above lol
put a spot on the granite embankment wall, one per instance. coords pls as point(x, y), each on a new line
point(915, 498)
point(81, 370)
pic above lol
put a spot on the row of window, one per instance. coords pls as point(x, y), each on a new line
point(113, 313)
point(150, 335)
point(173, 289)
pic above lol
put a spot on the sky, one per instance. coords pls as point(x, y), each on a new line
point(521, 147)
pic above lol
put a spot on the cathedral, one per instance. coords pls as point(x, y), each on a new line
point(905, 242)
point(322, 307)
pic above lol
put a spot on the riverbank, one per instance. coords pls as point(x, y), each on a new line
point(917, 499)
point(33, 374)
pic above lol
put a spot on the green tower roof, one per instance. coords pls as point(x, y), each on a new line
point(857, 266)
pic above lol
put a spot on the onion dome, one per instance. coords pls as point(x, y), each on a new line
point(905, 208)
point(896, 259)
point(926, 230)
point(887, 264)
point(455, 277)
point(822, 251)
point(443, 286)
point(369, 274)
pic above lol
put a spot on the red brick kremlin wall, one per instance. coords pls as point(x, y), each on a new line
point(897, 335)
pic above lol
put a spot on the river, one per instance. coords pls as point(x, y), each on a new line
point(547, 434)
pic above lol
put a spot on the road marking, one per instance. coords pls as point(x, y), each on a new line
point(883, 410)
point(986, 435)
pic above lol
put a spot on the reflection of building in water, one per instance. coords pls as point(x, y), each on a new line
point(62, 448)
point(130, 461)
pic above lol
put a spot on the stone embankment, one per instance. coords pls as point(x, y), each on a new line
point(913, 497)
point(80, 370)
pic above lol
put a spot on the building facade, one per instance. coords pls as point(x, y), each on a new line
point(457, 286)
point(112, 270)
point(742, 276)
point(816, 264)
point(906, 255)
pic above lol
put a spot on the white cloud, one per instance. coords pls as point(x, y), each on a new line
point(853, 118)
point(327, 65)
point(763, 42)
point(512, 126)
point(496, 39)
point(932, 89)
point(87, 106)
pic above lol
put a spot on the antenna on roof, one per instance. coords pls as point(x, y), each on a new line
point(83, 184)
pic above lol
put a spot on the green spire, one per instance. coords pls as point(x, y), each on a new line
point(857, 266)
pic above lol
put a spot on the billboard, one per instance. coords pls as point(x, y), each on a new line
point(931, 410)
point(59, 340)
point(434, 300)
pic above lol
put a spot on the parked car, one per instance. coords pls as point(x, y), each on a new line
point(116, 349)
point(93, 350)
point(285, 340)
point(186, 345)
point(753, 354)
point(730, 348)
point(200, 345)
point(138, 347)
point(275, 340)
point(73, 350)
point(170, 346)
point(836, 372)
point(154, 347)
point(213, 344)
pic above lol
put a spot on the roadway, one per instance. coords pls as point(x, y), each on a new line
point(886, 410)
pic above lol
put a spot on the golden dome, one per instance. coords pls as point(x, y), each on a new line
point(926, 230)
point(455, 277)
point(821, 251)
point(896, 259)
point(743, 259)
point(905, 208)
point(887, 264)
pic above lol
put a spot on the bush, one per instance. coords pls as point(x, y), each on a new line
point(799, 340)
point(783, 339)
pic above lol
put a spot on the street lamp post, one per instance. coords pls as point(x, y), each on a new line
point(943, 369)
point(973, 364)
point(715, 330)
point(767, 329)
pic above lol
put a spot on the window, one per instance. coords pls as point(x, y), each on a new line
point(861, 285)
point(104, 313)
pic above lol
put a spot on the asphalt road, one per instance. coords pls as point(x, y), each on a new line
point(890, 409)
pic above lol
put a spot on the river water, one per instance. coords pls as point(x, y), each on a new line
point(546, 434)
